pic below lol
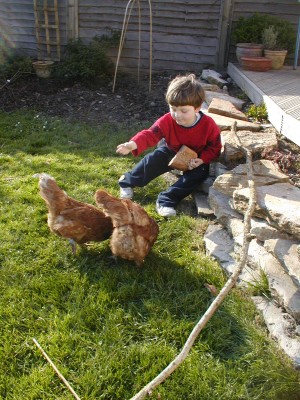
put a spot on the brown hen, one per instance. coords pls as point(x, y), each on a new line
point(79, 222)
point(134, 231)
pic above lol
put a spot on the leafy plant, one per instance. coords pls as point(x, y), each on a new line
point(14, 66)
point(269, 38)
point(86, 61)
point(258, 113)
point(285, 160)
point(250, 30)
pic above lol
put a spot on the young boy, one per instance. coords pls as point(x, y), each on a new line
point(186, 125)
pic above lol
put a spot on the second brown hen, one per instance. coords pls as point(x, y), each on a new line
point(77, 221)
point(134, 230)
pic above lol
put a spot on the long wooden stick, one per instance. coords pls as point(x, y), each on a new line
point(150, 44)
point(56, 370)
point(147, 390)
point(122, 38)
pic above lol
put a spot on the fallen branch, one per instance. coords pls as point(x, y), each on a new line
point(147, 390)
point(56, 370)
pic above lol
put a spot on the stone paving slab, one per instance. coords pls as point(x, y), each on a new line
point(226, 108)
point(279, 204)
point(280, 325)
point(225, 123)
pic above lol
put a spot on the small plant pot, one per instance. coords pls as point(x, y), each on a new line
point(43, 68)
point(259, 64)
point(277, 57)
point(248, 50)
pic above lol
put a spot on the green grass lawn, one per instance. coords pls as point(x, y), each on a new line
point(111, 328)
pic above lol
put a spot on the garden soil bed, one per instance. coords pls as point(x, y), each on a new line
point(94, 103)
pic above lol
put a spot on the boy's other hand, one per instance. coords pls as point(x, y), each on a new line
point(126, 148)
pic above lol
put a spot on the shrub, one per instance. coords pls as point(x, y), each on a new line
point(250, 30)
point(14, 66)
point(258, 113)
point(86, 61)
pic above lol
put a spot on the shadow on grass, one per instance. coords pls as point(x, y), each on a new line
point(163, 292)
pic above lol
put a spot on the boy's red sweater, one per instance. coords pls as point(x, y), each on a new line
point(203, 137)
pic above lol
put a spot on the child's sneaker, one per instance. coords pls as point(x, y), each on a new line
point(126, 193)
point(165, 211)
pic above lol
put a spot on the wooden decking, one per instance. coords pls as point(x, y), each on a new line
point(279, 90)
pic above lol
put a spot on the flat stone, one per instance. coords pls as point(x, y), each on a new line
point(238, 103)
point(265, 172)
point(202, 205)
point(220, 204)
point(281, 284)
point(225, 123)
point(235, 227)
point(286, 252)
point(213, 77)
point(279, 204)
point(218, 243)
point(211, 87)
point(264, 231)
point(254, 141)
point(280, 325)
point(226, 108)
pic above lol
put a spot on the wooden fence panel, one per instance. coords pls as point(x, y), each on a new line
point(185, 34)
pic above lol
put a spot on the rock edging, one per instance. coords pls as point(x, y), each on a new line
point(275, 226)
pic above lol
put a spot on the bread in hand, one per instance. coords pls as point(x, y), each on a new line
point(182, 158)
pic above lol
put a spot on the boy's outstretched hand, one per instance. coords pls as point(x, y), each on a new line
point(125, 148)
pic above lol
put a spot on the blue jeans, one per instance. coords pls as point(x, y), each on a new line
point(155, 164)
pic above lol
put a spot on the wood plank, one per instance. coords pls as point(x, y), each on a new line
point(130, 65)
point(90, 32)
point(166, 9)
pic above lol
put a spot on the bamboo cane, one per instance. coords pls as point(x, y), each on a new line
point(150, 45)
point(126, 19)
point(122, 38)
point(139, 50)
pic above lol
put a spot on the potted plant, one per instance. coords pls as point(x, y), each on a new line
point(246, 36)
point(272, 50)
point(249, 30)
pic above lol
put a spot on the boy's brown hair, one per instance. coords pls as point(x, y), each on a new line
point(185, 91)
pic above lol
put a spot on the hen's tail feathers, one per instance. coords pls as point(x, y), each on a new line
point(113, 207)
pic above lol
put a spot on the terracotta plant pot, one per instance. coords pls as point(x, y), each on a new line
point(248, 50)
point(276, 56)
point(43, 68)
point(259, 64)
